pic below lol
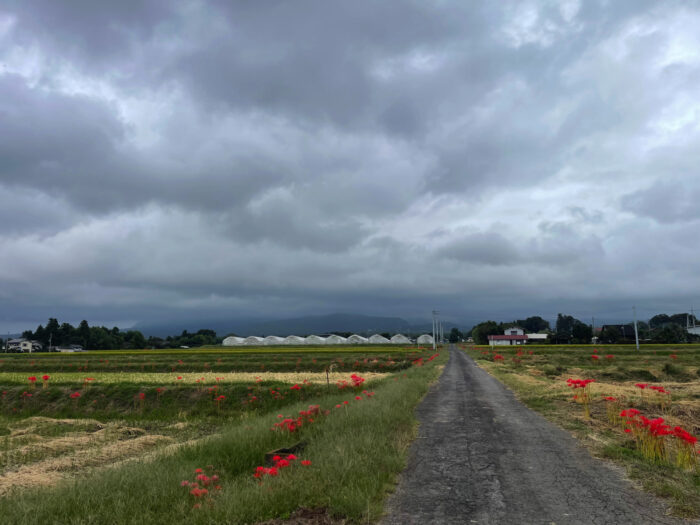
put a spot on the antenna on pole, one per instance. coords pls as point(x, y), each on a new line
point(636, 333)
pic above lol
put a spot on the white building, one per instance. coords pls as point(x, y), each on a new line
point(425, 339)
point(355, 339)
point(273, 340)
point(536, 338)
point(335, 340)
point(377, 339)
point(314, 340)
point(253, 340)
point(511, 336)
point(400, 339)
point(232, 340)
point(293, 340)
point(23, 345)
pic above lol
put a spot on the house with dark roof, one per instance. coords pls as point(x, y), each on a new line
point(511, 336)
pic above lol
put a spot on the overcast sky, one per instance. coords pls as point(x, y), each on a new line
point(164, 159)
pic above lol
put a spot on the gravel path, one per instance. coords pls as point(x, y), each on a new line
point(483, 457)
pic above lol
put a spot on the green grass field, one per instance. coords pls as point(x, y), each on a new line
point(538, 375)
point(117, 448)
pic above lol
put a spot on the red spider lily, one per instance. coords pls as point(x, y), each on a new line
point(358, 398)
point(585, 397)
point(595, 357)
point(497, 357)
point(295, 387)
point(357, 380)
point(32, 380)
point(198, 471)
point(142, 395)
point(641, 386)
point(609, 356)
point(673, 356)
point(75, 395)
point(198, 493)
point(45, 377)
point(305, 462)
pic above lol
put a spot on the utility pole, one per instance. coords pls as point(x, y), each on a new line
point(636, 333)
point(435, 329)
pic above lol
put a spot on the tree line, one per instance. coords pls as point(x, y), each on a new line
point(56, 334)
point(662, 328)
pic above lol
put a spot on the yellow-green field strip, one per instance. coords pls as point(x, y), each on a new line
point(171, 378)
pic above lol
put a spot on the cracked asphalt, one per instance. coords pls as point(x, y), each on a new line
point(482, 457)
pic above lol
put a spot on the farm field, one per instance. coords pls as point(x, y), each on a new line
point(641, 409)
point(119, 436)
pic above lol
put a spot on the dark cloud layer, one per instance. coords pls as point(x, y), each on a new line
point(173, 159)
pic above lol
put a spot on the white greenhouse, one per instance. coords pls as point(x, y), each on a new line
point(232, 340)
point(377, 339)
point(425, 339)
point(400, 339)
point(355, 339)
point(273, 340)
point(314, 340)
point(293, 340)
point(253, 340)
point(335, 340)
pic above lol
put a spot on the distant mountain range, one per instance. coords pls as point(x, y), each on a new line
point(321, 324)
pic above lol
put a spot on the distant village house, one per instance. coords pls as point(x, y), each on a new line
point(23, 345)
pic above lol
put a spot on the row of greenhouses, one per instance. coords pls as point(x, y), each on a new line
point(354, 339)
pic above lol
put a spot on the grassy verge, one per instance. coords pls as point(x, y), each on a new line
point(355, 452)
point(539, 381)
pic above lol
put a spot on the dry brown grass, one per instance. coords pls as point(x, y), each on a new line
point(53, 470)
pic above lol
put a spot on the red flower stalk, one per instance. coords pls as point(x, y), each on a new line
point(585, 397)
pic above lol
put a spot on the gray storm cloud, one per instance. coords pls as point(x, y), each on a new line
point(227, 159)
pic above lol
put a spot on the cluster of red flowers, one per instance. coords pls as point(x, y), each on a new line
point(198, 488)
point(585, 396)
point(497, 357)
point(579, 383)
point(291, 425)
point(280, 463)
point(357, 380)
point(649, 435)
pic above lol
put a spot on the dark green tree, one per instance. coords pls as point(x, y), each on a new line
point(455, 335)
point(481, 331)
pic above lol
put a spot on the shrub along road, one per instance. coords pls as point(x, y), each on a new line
point(483, 457)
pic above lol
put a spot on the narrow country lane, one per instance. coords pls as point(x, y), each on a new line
point(483, 457)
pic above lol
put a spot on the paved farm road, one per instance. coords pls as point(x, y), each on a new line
point(483, 457)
